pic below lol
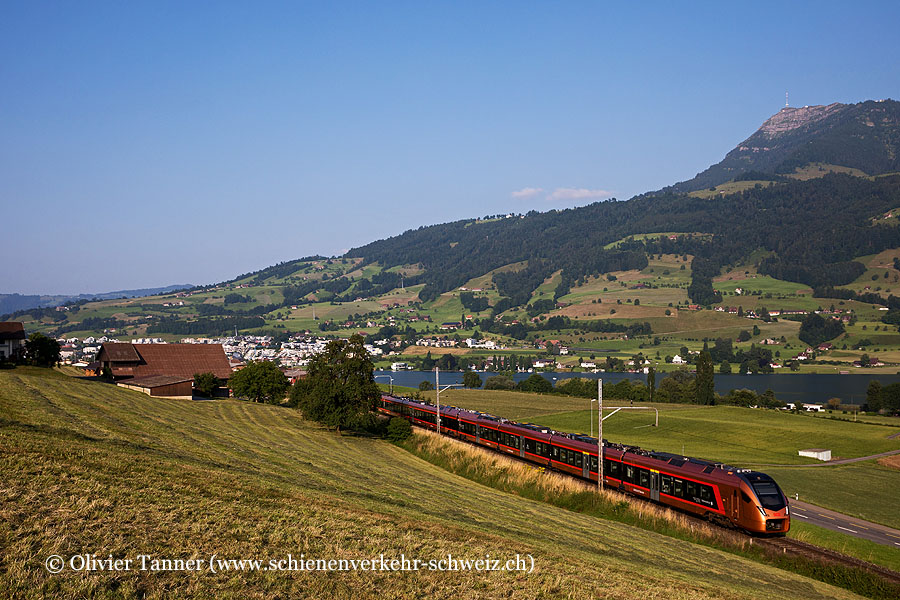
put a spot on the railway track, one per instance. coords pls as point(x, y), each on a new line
point(775, 545)
point(794, 547)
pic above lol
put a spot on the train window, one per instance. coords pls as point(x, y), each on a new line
point(629, 474)
point(564, 455)
point(614, 467)
point(593, 463)
point(769, 495)
point(678, 487)
point(691, 490)
point(579, 460)
point(528, 445)
point(706, 493)
point(744, 496)
point(555, 452)
point(665, 484)
point(645, 477)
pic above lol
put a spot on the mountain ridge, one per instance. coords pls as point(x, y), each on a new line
point(10, 303)
point(864, 136)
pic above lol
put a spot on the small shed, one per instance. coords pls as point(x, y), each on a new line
point(169, 386)
point(817, 453)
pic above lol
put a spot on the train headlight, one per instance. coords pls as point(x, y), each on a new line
point(762, 511)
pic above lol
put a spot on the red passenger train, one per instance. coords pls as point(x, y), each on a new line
point(732, 497)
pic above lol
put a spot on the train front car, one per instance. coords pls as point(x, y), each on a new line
point(767, 509)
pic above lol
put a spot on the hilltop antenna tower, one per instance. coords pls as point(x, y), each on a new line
point(786, 100)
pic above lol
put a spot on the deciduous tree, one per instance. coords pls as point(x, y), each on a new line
point(41, 350)
point(471, 380)
point(339, 390)
point(260, 381)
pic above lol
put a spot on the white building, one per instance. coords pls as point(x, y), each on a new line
point(818, 453)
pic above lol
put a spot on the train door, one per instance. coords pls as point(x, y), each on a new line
point(586, 465)
point(654, 485)
point(478, 434)
point(735, 506)
point(521, 447)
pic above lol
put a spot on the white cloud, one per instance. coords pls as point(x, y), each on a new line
point(527, 192)
point(577, 194)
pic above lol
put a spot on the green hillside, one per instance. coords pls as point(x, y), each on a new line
point(93, 468)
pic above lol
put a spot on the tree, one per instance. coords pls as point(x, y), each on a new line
point(814, 329)
point(873, 396)
point(706, 393)
point(425, 386)
point(651, 382)
point(679, 386)
point(398, 429)
point(536, 383)
point(260, 381)
point(206, 383)
point(725, 368)
point(339, 390)
point(41, 351)
point(743, 336)
point(499, 382)
point(471, 380)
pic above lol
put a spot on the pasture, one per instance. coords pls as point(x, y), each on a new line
point(743, 437)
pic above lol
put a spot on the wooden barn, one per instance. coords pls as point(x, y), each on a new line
point(162, 369)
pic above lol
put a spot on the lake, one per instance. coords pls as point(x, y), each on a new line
point(811, 388)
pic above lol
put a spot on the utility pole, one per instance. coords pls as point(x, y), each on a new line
point(437, 389)
point(600, 433)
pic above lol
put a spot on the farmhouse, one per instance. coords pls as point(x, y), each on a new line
point(12, 339)
point(162, 369)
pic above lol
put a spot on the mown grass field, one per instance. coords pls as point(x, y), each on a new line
point(92, 468)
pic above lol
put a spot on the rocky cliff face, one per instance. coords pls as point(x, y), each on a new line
point(864, 136)
point(790, 118)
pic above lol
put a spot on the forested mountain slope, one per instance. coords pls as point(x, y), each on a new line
point(813, 229)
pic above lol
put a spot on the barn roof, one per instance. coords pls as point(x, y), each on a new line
point(12, 330)
point(182, 360)
point(120, 352)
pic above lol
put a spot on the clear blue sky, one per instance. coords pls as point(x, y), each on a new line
point(151, 143)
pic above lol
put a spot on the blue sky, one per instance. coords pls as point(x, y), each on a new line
point(151, 143)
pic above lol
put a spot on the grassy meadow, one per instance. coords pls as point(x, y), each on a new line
point(739, 436)
point(89, 467)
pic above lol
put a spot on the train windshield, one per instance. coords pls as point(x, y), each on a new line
point(769, 495)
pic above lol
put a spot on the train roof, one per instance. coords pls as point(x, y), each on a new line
point(584, 443)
